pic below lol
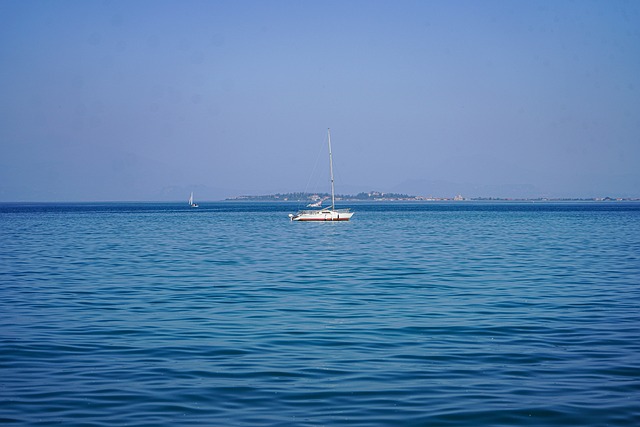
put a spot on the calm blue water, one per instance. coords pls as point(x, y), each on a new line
point(230, 314)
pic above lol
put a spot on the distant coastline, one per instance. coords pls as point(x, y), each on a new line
point(377, 196)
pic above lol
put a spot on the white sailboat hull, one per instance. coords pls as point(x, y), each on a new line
point(322, 215)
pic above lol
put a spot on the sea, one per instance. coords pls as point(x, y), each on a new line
point(410, 314)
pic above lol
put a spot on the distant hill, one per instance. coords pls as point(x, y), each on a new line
point(314, 197)
point(380, 196)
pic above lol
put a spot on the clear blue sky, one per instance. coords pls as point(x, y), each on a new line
point(149, 100)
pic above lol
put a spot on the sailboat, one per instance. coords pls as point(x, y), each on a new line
point(329, 213)
point(193, 205)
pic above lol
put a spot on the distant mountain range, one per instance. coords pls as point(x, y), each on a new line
point(315, 197)
point(381, 196)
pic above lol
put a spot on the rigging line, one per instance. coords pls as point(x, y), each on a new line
point(336, 171)
point(315, 167)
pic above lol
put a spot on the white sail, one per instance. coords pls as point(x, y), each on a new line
point(193, 205)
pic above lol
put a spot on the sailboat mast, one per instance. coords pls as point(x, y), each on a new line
point(333, 197)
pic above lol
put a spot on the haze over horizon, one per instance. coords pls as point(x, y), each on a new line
point(150, 100)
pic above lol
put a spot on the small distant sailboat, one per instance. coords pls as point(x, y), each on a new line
point(329, 213)
point(191, 204)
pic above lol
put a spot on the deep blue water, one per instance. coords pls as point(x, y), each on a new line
point(410, 314)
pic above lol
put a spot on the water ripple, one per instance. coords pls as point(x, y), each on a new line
point(410, 314)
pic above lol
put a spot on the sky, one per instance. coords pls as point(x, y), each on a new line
point(150, 100)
